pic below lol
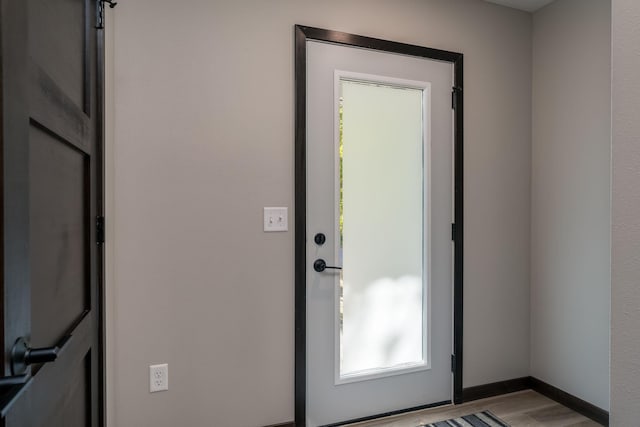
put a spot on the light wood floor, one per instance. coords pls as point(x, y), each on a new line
point(522, 409)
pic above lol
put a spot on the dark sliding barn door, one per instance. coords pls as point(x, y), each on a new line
point(51, 191)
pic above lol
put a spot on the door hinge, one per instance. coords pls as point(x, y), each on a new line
point(453, 363)
point(100, 12)
point(453, 232)
point(455, 91)
point(100, 230)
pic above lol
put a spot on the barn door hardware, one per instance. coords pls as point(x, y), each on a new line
point(100, 230)
point(100, 12)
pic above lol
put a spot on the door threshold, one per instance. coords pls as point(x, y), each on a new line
point(389, 414)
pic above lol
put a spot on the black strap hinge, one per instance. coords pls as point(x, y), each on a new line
point(100, 230)
point(455, 91)
point(100, 12)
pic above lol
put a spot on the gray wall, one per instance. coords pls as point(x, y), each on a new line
point(202, 139)
point(625, 227)
point(570, 282)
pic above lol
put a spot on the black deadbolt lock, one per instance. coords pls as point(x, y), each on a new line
point(319, 239)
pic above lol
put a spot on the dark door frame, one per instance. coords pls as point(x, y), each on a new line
point(302, 34)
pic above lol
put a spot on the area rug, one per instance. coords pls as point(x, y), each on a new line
point(480, 419)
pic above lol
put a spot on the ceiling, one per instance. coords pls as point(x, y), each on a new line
point(527, 5)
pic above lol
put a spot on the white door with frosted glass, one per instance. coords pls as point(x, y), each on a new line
point(379, 188)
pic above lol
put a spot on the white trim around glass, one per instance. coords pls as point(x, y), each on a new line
point(342, 77)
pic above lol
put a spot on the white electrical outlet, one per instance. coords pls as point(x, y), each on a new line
point(158, 377)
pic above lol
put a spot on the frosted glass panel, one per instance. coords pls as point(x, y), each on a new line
point(382, 228)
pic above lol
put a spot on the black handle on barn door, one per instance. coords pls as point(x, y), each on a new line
point(320, 265)
point(22, 355)
point(10, 390)
point(13, 380)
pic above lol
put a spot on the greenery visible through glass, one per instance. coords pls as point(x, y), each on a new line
point(341, 220)
point(340, 150)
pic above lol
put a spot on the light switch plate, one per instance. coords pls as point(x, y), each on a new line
point(276, 219)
